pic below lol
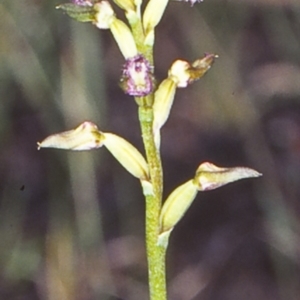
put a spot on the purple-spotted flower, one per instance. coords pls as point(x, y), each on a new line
point(137, 78)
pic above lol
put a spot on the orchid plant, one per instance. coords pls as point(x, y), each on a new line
point(154, 101)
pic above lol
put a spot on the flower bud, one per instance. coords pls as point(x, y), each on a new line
point(176, 205)
point(124, 38)
point(105, 15)
point(127, 5)
point(85, 137)
point(132, 9)
point(127, 155)
point(153, 14)
point(209, 176)
point(105, 18)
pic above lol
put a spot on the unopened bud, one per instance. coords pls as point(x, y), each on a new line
point(127, 5)
point(105, 14)
point(124, 38)
point(153, 14)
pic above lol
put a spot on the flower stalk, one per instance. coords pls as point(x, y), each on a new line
point(155, 252)
point(136, 42)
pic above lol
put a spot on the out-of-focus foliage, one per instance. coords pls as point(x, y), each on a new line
point(71, 224)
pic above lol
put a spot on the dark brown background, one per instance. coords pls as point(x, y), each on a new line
point(72, 224)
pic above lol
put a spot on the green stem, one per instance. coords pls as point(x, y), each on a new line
point(155, 253)
point(139, 37)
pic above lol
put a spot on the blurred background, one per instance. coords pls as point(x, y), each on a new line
point(72, 224)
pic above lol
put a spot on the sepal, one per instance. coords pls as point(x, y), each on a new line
point(183, 73)
point(209, 176)
point(85, 137)
point(201, 66)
